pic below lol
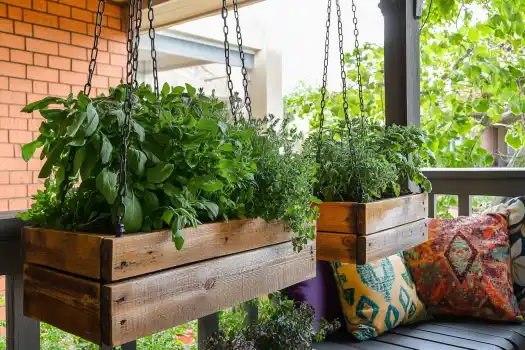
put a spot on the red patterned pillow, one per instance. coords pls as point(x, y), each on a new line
point(464, 268)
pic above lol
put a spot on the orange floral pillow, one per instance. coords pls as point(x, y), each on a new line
point(464, 268)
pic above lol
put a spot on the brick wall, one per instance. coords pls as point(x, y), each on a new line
point(44, 49)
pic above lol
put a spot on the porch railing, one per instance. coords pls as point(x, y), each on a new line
point(24, 333)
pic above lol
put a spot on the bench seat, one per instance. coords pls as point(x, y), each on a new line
point(438, 335)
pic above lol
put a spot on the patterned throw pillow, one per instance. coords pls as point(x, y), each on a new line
point(377, 297)
point(516, 211)
point(464, 268)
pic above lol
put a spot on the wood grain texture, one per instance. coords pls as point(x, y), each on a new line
point(369, 218)
point(73, 252)
point(69, 303)
point(135, 255)
point(336, 247)
point(149, 304)
point(386, 243)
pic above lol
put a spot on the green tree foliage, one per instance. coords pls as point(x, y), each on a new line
point(472, 77)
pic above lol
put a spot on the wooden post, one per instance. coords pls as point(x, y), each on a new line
point(402, 64)
point(206, 327)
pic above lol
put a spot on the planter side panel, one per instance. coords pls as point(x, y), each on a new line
point(336, 247)
point(139, 254)
point(73, 252)
point(69, 303)
point(388, 213)
point(338, 217)
point(145, 305)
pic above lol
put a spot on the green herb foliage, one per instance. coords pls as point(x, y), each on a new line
point(374, 162)
point(187, 164)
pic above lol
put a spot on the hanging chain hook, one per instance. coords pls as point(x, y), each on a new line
point(224, 14)
point(151, 32)
point(247, 99)
point(358, 64)
point(94, 49)
point(325, 80)
point(343, 72)
point(138, 24)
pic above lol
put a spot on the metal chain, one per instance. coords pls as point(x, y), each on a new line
point(358, 63)
point(94, 49)
point(123, 176)
point(138, 24)
point(151, 33)
point(224, 14)
point(343, 72)
point(247, 99)
point(325, 79)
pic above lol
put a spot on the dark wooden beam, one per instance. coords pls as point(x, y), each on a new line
point(401, 61)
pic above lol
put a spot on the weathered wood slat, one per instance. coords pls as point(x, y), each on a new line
point(69, 303)
point(479, 327)
point(369, 218)
point(135, 255)
point(350, 248)
point(145, 305)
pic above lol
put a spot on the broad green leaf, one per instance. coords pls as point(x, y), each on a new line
point(169, 189)
point(212, 209)
point(57, 115)
point(167, 216)
point(139, 131)
point(137, 161)
point(78, 119)
point(227, 147)
point(60, 175)
point(212, 185)
point(105, 150)
point(178, 237)
point(159, 173)
point(208, 124)
point(473, 34)
point(151, 201)
point(165, 89)
point(90, 160)
point(133, 216)
point(80, 155)
point(28, 150)
point(92, 121)
point(44, 103)
point(514, 140)
point(107, 184)
point(191, 90)
point(53, 158)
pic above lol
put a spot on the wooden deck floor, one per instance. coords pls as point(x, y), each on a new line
point(448, 335)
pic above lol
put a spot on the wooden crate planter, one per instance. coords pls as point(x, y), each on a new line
point(115, 290)
point(361, 233)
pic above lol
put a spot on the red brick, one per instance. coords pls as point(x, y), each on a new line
point(22, 85)
point(35, 97)
point(100, 82)
point(114, 82)
point(109, 71)
point(21, 56)
point(13, 124)
point(18, 204)
point(59, 89)
point(103, 57)
point(33, 124)
point(20, 177)
point(72, 52)
point(7, 150)
point(40, 60)
point(40, 87)
point(35, 164)
point(92, 5)
point(12, 41)
point(3, 10)
point(4, 54)
point(11, 97)
point(18, 151)
point(15, 111)
point(51, 34)
point(4, 110)
point(87, 41)
point(73, 78)
point(79, 66)
point(82, 15)
point(112, 10)
point(40, 5)
point(4, 83)
point(59, 9)
point(59, 62)
point(4, 180)
point(77, 88)
point(21, 3)
point(117, 48)
point(4, 206)
point(40, 18)
point(114, 23)
point(6, 25)
point(75, 3)
point(14, 12)
point(13, 191)
point(112, 34)
point(42, 46)
point(22, 28)
point(19, 136)
point(73, 25)
point(42, 74)
point(36, 179)
point(4, 138)
point(13, 70)
point(118, 60)
point(32, 189)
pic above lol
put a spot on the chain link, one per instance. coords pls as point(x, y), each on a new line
point(224, 14)
point(342, 63)
point(358, 63)
point(138, 24)
point(247, 99)
point(325, 79)
point(151, 33)
point(94, 49)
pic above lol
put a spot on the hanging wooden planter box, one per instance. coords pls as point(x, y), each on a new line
point(361, 233)
point(114, 290)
